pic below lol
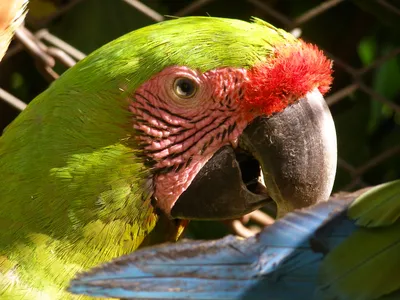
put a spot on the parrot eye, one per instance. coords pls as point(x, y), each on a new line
point(185, 87)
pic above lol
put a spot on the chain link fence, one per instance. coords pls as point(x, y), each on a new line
point(360, 36)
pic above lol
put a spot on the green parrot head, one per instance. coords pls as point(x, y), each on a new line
point(217, 116)
point(192, 118)
point(212, 102)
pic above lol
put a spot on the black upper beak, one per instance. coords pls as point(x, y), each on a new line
point(296, 150)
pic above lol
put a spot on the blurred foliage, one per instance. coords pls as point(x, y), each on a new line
point(355, 32)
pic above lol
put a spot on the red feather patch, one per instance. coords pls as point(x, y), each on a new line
point(292, 72)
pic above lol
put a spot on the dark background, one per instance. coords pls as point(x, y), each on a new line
point(362, 37)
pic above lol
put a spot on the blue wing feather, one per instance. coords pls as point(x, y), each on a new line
point(280, 262)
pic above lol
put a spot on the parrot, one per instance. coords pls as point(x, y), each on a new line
point(347, 248)
point(12, 14)
point(152, 130)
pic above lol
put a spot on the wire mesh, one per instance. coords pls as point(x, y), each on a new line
point(47, 50)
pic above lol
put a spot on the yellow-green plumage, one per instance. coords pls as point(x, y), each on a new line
point(74, 190)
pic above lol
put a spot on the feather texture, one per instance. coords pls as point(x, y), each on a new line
point(316, 253)
point(75, 188)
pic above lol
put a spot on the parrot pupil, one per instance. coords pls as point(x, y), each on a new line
point(184, 87)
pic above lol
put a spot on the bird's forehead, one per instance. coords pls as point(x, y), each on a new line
point(292, 71)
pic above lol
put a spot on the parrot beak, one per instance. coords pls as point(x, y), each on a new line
point(288, 158)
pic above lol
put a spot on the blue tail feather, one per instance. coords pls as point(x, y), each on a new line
point(282, 261)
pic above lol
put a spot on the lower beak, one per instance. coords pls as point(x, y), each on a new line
point(289, 158)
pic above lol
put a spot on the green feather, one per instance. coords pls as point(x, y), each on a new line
point(379, 206)
point(74, 192)
point(366, 265)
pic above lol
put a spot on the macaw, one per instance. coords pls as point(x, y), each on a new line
point(347, 248)
point(155, 129)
